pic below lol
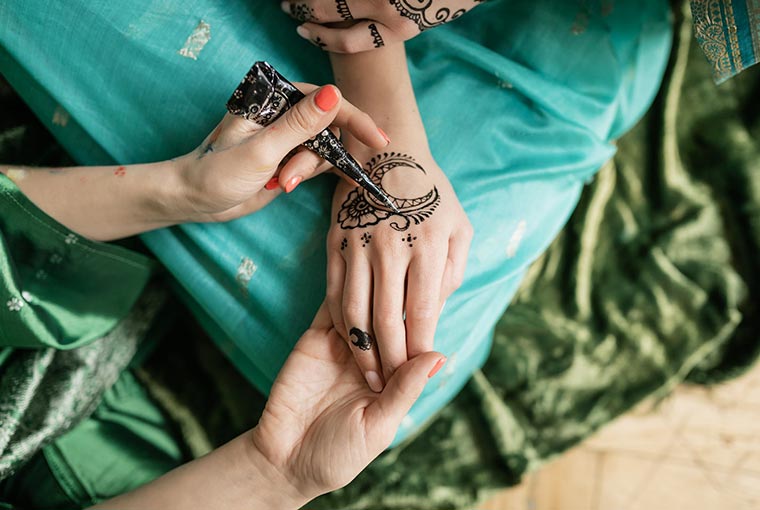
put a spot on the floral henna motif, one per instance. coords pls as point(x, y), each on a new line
point(360, 209)
point(424, 14)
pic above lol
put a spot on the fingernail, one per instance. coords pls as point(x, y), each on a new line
point(292, 183)
point(327, 98)
point(387, 140)
point(374, 381)
point(303, 32)
point(437, 367)
point(273, 183)
point(285, 6)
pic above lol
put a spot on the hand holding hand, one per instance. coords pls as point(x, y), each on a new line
point(322, 425)
point(379, 22)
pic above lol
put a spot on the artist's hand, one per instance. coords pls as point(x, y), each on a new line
point(379, 22)
point(322, 425)
point(240, 167)
point(388, 275)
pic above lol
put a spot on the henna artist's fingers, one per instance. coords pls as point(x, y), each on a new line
point(388, 314)
point(357, 294)
point(423, 304)
point(361, 126)
point(302, 166)
point(336, 280)
point(305, 120)
point(456, 263)
point(384, 415)
point(361, 36)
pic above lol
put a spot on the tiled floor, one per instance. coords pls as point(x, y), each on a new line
point(697, 450)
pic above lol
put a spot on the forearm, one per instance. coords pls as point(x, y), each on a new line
point(104, 202)
point(378, 82)
point(235, 476)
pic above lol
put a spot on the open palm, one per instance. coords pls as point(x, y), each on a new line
point(322, 424)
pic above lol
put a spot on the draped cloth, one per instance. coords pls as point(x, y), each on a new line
point(729, 33)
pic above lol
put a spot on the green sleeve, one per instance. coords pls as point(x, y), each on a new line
point(58, 289)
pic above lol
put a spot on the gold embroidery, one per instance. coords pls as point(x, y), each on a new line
point(753, 11)
point(709, 26)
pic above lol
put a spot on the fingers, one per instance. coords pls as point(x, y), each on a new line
point(388, 315)
point(322, 318)
point(357, 294)
point(453, 275)
point(384, 415)
point(361, 126)
point(336, 278)
point(309, 117)
point(423, 302)
point(325, 11)
point(361, 36)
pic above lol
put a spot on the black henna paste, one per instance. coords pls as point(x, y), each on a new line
point(361, 209)
point(343, 244)
point(424, 13)
point(363, 339)
point(302, 12)
point(366, 237)
point(343, 10)
point(409, 239)
point(377, 39)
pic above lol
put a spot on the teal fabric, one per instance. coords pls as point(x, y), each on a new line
point(522, 100)
point(729, 33)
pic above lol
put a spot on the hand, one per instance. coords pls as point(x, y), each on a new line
point(380, 22)
point(388, 275)
point(322, 425)
point(240, 167)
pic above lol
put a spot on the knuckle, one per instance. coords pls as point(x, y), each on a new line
point(299, 119)
point(347, 45)
point(423, 309)
point(352, 310)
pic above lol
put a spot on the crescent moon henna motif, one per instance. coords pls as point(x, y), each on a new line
point(363, 339)
point(361, 209)
point(422, 13)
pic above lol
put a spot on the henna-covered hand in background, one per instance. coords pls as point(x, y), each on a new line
point(371, 23)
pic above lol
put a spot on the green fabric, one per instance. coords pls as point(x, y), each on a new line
point(654, 281)
point(52, 279)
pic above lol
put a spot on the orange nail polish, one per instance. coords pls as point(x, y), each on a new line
point(272, 184)
point(292, 183)
point(387, 140)
point(439, 364)
point(327, 98)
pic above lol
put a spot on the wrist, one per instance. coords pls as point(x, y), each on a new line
point(274, 487)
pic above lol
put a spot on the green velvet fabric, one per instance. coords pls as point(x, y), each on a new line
point(653, 282)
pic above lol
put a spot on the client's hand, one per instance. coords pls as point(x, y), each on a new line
point(380, 22)
point(240, 166)
point(322, 425)
point(388, 274)
point(320, 428)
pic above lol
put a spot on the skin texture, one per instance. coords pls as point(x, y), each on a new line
point(389, 274)
point(223, 179)
point(370, 24)
point(321, 426)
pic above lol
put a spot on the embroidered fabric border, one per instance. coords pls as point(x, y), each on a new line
point(729, 33)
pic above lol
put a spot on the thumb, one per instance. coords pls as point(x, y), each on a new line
point(384, 415)
point(306, 119)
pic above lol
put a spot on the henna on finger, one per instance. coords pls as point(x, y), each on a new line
point(363, 339)
point(424, 13)
point(377, 39)
point(343, 11)
point(302, 13)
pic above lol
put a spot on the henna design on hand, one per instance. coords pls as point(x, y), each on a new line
point(343, 244)
point(409, 239)
point(302, 12)
point(343, 10)
point(366, 238)
point(424, 14)
point(377, 39)
point(360, 209)
point(363, 339)
point(318, 42)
